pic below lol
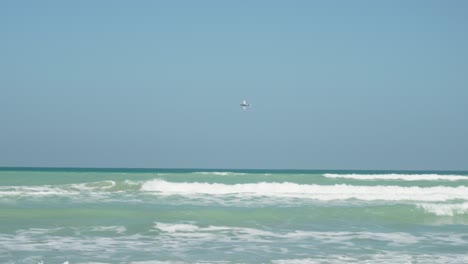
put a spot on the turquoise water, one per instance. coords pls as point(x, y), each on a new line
point(232, 216)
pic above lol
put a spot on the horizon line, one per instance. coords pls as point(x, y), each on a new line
point(218, 169)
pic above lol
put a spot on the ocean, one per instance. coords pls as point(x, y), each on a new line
point(143, 216)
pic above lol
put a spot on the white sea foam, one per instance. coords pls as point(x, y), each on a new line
point(404, 177)
point(172, 228)
point(347, 238)
point(92, 263)
point(310, 191)
point(379, 258)
point(220, 173)
point(445, 209)
point(8, 191)
point(55, 190)
point(160, 262)
point(178, 239)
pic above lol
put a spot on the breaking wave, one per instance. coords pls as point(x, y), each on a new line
point(404, 177)
point(311, 191)
point(249, 234)
point(182, 237)
point(68, 190)
point(445, 209)
point(220, 173)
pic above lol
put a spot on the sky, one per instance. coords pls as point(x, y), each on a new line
point(157, 84)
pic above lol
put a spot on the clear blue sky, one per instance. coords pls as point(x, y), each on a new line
point(334, 84)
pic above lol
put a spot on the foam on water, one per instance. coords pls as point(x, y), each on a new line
point(16, 191)
point(192, 235)
point(394, 176)
point(258, 235)
point(55, 190)
point(172, 228)
point(311, 191)
point(202, 217)
point(379, 258)
point(445, 209)
point(180, 238)
point(220, 173)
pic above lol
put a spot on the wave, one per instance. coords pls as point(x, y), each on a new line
point(404, 177)
point(445, 209)
point(192, 231)
point(382, 257)
point(180, 240)
point(70, 190)
point(312, 191)
point(220, 173)
point(253, 234)
point(18, 191)
point(244, 192)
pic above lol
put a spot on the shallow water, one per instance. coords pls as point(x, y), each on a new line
point(232, 216)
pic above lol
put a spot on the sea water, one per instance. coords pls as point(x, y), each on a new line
point(232, 216)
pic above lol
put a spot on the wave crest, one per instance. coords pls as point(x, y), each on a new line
point(312, 191)
point(394, 176)
point(445, 209)
point(220, 173)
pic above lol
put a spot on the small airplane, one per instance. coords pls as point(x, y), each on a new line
point(244, 104)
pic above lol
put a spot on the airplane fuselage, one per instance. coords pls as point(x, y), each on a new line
point(244, 104)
